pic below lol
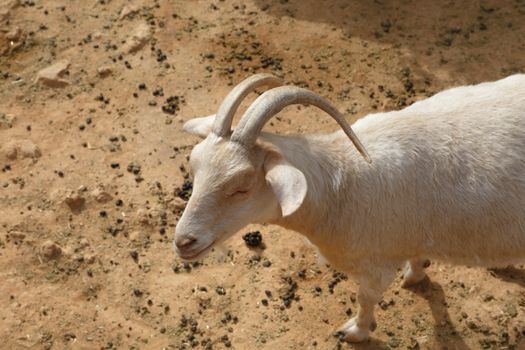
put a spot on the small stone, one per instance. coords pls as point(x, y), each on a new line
point(21, 149)
point(10, 150)
point(75, 201)
point(128, 10)
point(135, 236)
point(90, 258)
point(11, 40)
point(52, 75)
point(97, 35)
point(28, 149)
point(101, 196)
point(51, 250)
point(143, 216)
point(104, 71)
point(84, 243)
point(7, 121)
point(14, 34)
point(178, 203)
point(139, 38)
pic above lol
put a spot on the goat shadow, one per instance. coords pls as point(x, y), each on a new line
point(444, 330)
point(510, 274)
point(469, 41)
point(371, 344)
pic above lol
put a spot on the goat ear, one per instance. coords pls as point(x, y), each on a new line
point(199, 126)
point(287, 182)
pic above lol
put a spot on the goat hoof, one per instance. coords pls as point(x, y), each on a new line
point(352, 333)
point(411, 279)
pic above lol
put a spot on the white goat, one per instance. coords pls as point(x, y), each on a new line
point(446, 181)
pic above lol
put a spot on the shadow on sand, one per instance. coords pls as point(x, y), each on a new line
point(444, 330)
point(510, 274)
point(466, 40)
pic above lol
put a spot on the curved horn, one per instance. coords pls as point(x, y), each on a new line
point(273, 101)
point(228, 107)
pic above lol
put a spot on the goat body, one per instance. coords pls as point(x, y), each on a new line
point(446, 182)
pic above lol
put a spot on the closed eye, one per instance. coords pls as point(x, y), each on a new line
point(236, 193)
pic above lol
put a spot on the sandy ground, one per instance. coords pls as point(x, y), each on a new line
point(94, 162)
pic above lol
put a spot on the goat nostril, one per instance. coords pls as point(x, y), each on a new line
point(185, 242)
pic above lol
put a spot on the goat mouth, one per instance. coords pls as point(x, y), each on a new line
point(198, 254)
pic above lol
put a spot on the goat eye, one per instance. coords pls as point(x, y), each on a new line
point(237, 193)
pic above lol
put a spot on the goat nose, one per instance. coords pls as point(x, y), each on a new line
point(185, 242)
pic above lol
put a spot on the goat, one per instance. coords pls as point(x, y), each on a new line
point(442, 179)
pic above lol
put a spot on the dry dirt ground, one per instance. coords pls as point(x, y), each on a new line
point(94, 163)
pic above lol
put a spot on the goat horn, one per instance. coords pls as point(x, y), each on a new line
point(273, 101)
point(228, 107)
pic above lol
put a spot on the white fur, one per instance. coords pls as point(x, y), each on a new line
point(447, 182)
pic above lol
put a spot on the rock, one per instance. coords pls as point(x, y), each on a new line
point(139, 38)
point(75, 201)
point(51, 250)
point(178, 203)
point(21, 149)
point(128, 10)
point(7, 121)
point(136, 236)
point(388, 104)
point(84, 243)
point(10, 150)
point(143, 216)
point(104, 71)
point(52, 75)
point(14, 34)
point(97, 35)
point(28, 149)
point(101, 196)
point(11, 40)
point(90, 258)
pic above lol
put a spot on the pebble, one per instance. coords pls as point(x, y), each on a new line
point(101, 196)
point(7, 121)
point(75, 201)
point(21, 149)
point(135, 236)
point(104, 71)
point(138, 39)
point(11, 40)
point(90, 258)
point(51, 250)
point(128, 10)
point(52, 75)
point(84, 243)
